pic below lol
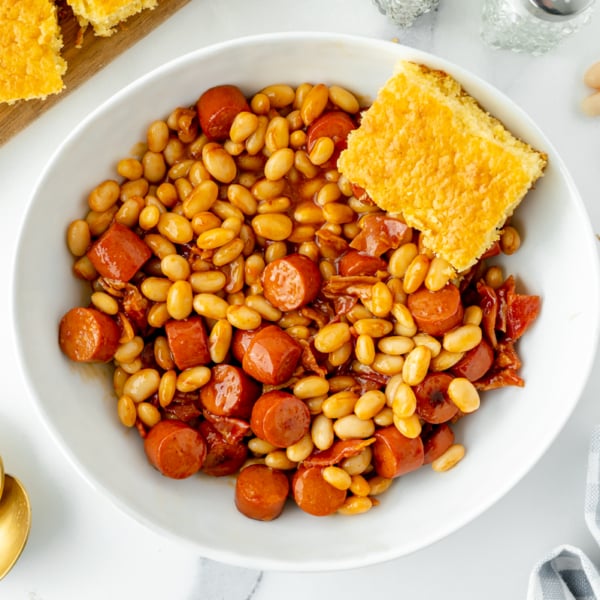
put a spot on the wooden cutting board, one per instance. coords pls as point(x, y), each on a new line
point(93, 54)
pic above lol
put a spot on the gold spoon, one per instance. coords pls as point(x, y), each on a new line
point(15, 520)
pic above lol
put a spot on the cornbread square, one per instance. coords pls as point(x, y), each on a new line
point(427, 150)
point(30, 44)
point(104, 15)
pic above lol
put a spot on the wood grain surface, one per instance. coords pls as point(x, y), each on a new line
point(93, 54)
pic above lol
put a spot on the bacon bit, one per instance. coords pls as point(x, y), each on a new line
point(506, 357)
point(340, 450)
point(361, 194)
point(315, 315)
point(309, 360)
point(222, 458)
point(488, 301)
point(367, 378)
point(497, 379)
point(135, 306)
point(182, 412)
point(344, 304)
point(114, 287)
point(493, 250)
point(232, 429)
point(141, 428)
point(366, 383)
point(330, 244)
point(522, 312)
point(380, 233)
point(350, 285)
point(503, 293)
point(182, 407)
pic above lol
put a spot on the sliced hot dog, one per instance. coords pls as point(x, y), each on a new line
point(436, 312)
point(241, 340)
point(394, 454)
point(291, 282)
point(261, 492)
point(217, 108)
point(476, 362)
point(357, 263)
point(280, 418)
point(88, 335)
point(230, 392)
point(313, 494)
point(433, 403)
point(118, 253)
point(175, 449)
point(188, 342)
point(223, 457)
point(334, 124)
point(436, 441)
point(271, 356)
point(380, 233)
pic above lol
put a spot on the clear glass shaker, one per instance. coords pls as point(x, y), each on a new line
point(533, 26)
point(404, 12)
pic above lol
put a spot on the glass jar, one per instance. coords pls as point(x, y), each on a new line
point(533, 26)
point(404, 12)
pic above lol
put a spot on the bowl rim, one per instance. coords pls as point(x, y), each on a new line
point(230, 556)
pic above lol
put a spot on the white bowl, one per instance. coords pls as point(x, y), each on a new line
point(504, 438)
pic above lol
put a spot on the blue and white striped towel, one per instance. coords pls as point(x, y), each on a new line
point(567, 573)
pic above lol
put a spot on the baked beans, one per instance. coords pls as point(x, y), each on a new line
point(250, 288)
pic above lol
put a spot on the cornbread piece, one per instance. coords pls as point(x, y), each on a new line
point(427, 150)
point(30, 44)
point(104, 15)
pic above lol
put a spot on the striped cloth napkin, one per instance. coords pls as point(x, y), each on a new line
point(567, 573)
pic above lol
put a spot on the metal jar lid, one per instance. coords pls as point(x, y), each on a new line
point(556, 10)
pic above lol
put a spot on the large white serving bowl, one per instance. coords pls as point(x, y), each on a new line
point(511, 431)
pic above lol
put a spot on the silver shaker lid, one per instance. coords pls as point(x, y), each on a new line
point(556, 10)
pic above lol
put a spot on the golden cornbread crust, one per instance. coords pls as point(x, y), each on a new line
point(104, 15)
point(30, 44)
point(427, 150)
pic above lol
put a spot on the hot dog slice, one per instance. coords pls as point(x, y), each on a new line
point(313, 494)
point(334, 124)
point(188, 342)
point(261, 492)
point(230, 392)
point(280, 418)
point(380, 233)
point(291, 282)
point(217, 108)
point(436, 312)
point(436, 440)
point(175, 449)
point(118, 253)
point(88, 335)
point(241, 340)
point(476, 362)
point(223, 458)
point(271, 356)
point(433, 403)
point(394, 454)
point(357, 263)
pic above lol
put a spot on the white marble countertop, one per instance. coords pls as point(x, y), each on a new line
point(81, 546)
